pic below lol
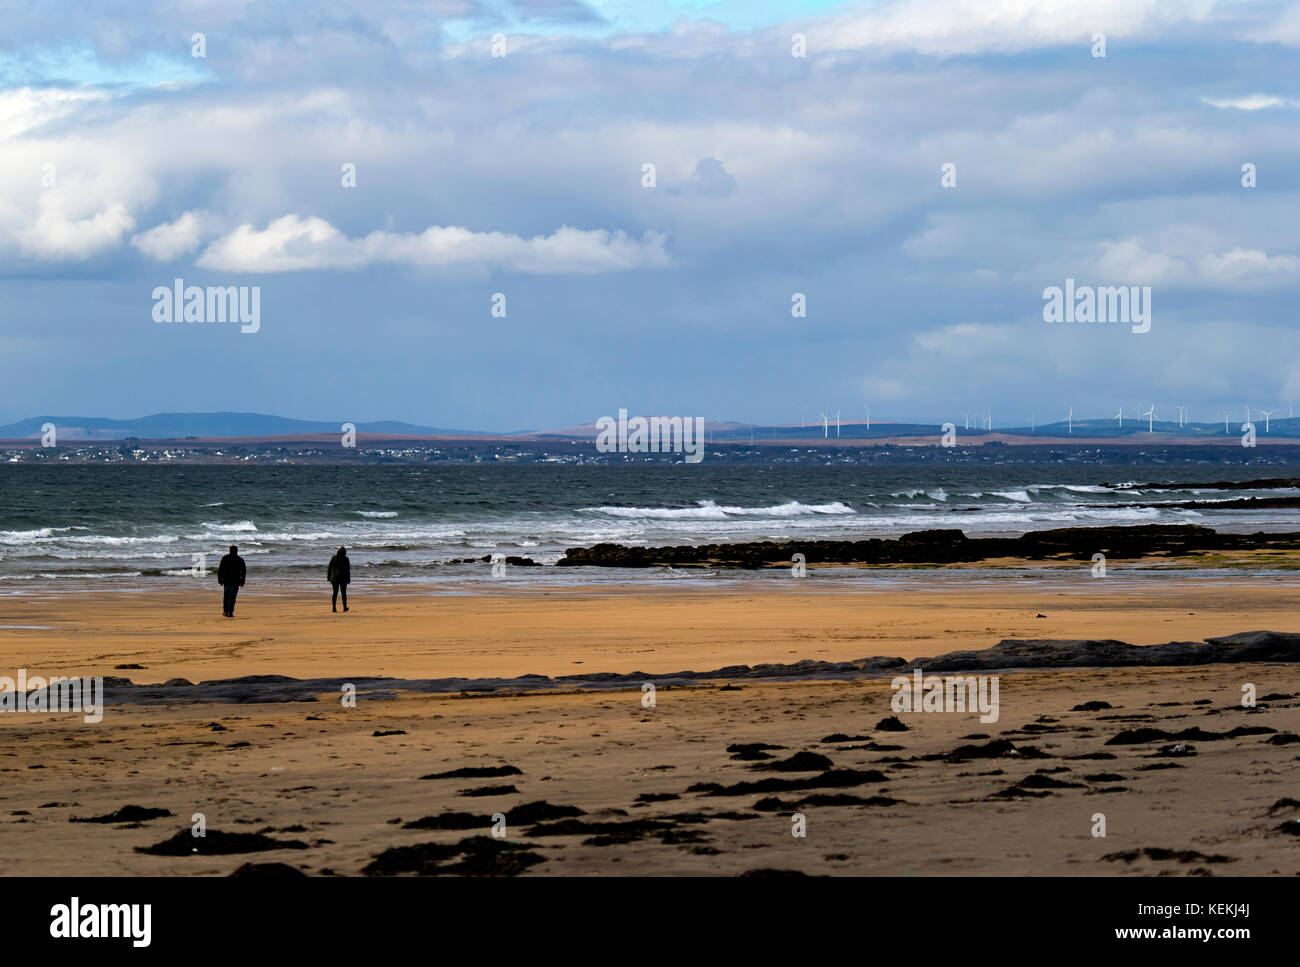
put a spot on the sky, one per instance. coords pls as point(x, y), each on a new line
point(127, 162)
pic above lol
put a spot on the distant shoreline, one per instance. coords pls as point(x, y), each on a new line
point(371, 449)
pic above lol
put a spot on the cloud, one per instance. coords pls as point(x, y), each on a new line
point(818, 175)
point(1250, 266)
point(711, 179)
point(55, 235)
point(1253, 102)
point(1133, 261)
point(294, 244)
point(955, 27)
point(1129, 261)
point(169, 241)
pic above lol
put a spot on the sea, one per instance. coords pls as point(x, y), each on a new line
point(134, 527)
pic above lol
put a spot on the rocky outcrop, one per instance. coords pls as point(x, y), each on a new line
point(938, 547)
point(1249, 646)
point(1263, 483)
point(1107, 653)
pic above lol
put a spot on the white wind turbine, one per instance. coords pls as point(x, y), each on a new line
point(988, 419)
point(837, 423)
point(825, 426)
point(1267, 414)
point(1151, 418)
point(1069, 421)
point(1120, 416)
point(1226, 414)
point(966, 419)
point(868, 417)
point(1182, 412)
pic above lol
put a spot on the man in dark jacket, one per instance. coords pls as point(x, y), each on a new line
point(340, 576)
point(230, 575)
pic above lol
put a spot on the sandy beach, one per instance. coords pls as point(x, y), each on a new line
point(597, 783)
point(565, 630)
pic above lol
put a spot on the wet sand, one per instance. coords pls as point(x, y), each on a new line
point(414, 634)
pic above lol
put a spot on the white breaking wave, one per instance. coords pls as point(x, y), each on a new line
point(31, 536)
point(377, 513)
point(710, 510)
point(52, 575)
point(121, 541)
point(1073, 488)
point(242, 527)
point(1019, 496)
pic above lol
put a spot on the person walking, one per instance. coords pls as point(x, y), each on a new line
point(340, 576)
point(230, 575)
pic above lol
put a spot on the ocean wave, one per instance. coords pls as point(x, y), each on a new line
point(1017, 496)
point(377, 513)
point(29, 536)
point(711, 510)
point(1017, 516)
point(96, 575)
point(1073, 488)
point(105, 540)
point(54, 553)
point(241, 527)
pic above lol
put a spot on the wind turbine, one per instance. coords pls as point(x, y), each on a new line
point(1069, 421)
point(1225, 421)
point(966, 419)
point(1267, 414)
point(837, 423)
point(988, 419)
point(825, 426)
point(868, 417)
point(803, 419)
point(1151, 418)
point(1182, 412)
point(1120, 416)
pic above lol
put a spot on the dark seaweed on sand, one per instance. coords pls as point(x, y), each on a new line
point(217, 843)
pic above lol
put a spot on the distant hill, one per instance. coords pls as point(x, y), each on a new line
point(166, 426)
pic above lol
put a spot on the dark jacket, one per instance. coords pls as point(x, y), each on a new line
point(340, 570)
point(231, 570)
